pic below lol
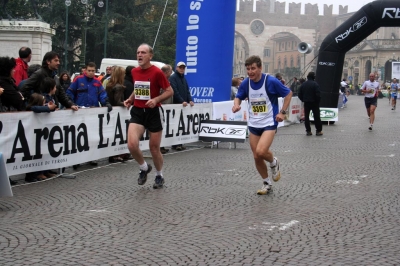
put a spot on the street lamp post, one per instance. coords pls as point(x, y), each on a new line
point(101, 4)
point(84, 29)
point(67, 4)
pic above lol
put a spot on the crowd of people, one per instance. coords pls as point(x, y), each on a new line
point(41, 88)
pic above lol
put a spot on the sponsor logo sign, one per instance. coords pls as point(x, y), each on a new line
point(327, 114)
point(217, 130)
point(326, 64)
point(356, 26)
point(391, 12)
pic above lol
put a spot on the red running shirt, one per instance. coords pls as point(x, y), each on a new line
point(157, 80)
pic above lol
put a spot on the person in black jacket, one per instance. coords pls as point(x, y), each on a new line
point(181, 91)
point(11, 98)
point(310, 94)
point(49, 68)
point(129, 87)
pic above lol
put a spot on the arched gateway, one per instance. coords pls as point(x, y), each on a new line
point(380, 13)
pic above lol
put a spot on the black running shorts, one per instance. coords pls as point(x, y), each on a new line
point(370, 101)
point(151, 118)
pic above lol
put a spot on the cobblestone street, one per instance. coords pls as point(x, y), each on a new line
point(337, 203)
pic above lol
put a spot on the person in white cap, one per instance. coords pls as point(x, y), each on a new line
point(181, 91)
point(146, 113)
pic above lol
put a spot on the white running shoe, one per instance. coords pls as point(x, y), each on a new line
point(264, 190)
point(276, 173)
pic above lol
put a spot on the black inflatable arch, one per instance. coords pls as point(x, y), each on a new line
point(380, 13)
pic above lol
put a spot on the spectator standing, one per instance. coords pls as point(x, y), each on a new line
point(65, 80)
point(181, 91)
point(115, 90)
point(369, 88)
point(295, 86)
point(234, 87)
point(108, 74)
point(146, 114)
point(31, 69)
point(12, 182)
point(115, 87)
point(81, 73)
point(101, 76)
point(279, 76)
point(262, 91)
point(21, 70)
point(11, 98)
point(167, 70)
point(128, 82)
point(87, 91)
point(310, 94)
point(49, 68)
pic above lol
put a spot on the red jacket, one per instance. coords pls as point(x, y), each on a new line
point(21, 71)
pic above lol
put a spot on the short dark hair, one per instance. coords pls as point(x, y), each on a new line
point(48, 57)
point(91, 64)
point(24, 52)
point(311, 75)
point(128, 71)
point(32, 69)
point(47, 84)
point(253, 59)
point(6, 65)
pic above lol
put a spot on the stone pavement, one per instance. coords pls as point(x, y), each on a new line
point(337, 203)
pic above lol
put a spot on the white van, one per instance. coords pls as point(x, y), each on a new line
point(123, 63)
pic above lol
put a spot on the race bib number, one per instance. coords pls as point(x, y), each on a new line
point(259, 105)
point(142, 90)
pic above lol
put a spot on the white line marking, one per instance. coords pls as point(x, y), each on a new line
point(391, 155)
point(267, 226)
point(353, 182)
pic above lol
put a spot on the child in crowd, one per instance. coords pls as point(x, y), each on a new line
point(42, 104)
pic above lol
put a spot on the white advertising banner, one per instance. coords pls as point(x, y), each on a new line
point(223, 111)
point(40, 141)
point(327, 114)
point(216, 130)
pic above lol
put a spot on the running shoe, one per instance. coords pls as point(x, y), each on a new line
point(276, 173)
point(158, 182)
point(265, 189)
point(143, 175)
point(370, 128)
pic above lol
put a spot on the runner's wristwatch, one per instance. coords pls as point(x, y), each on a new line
point(283, 112)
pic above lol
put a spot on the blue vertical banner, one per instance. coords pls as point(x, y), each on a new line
point(205, 40)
